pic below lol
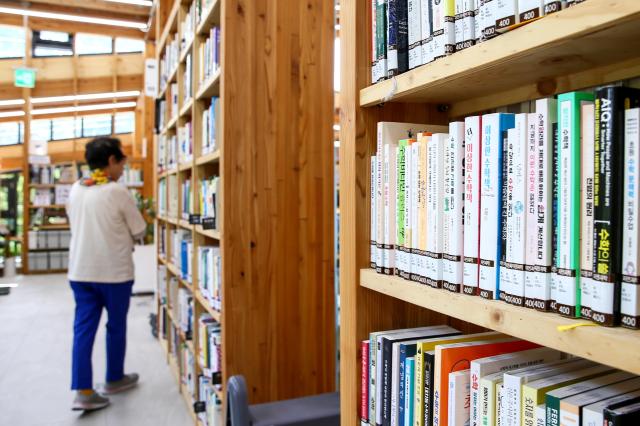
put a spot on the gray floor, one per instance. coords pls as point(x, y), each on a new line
point(35, 347)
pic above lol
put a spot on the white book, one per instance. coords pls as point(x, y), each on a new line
point(400, 187)
point(488, 18)
point(425, 28)
point(553, 6)
point(483, 367)
point(493, 126)
point(415, 230)
point(477, 22)
point(530, 206)
point(541, 415)
point(500, 408)
point(458, 409)
point(423, 208)
point(435, 216)
point(629, 295)
point(414, 16)
point(593, 414)
point(453, 232)
point(471, 203)
point(516, 210)
point(586, 214)
point(529, 10)
point(374, 215)
point(459, 24)
point(506, 14)
point(408, 209)
point(443, 30)
point(539, 295)
point(465, 24)
point(389, 195)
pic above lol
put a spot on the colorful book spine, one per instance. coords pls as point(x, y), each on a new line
point(471, 204)
point(453, 232)
point(421, 190)
point(434, 198)
point(610, 105)
point(409, 212)
point(494, 126)
point(459, 387)
point(416, 200)
point(375, 75)
point(586, 248)
point(410, 392)
point(400, 207)
point(629, 294)
point(381, 38)
point(364, 400)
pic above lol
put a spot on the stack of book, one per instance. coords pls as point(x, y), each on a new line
point(210, 350)
point(209, 199)
point(437, 376)
point(210, 117)
point(210, 275)
point(169, 60)
point(538, 209)
point(210, 55)
point(408, 33)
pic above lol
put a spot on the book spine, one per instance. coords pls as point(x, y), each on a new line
point(374, 224)
point(531, 209)
point(400, 207)
point(528, 407)
point(380, 264)
point(379, 381)
point(541, 415)
point(403, 36)
point(453, 208)
point(553, 6)
point(364, 402)
point(629, 295)
point(418, 412)
point(410, 389)
point(474, 394)
point(392, 38)
point(397, 400)
point(408, 213)
point(504, 282)
point(416, 209)
point(586, 249)
point(553, 410)
point(443, 29)
point(414, 21)
point(529, 10)
point(486, 390)
point(511, 400)
point(381, 38)
point(428, 389)
point(506, 14)
point(459, 25)
point(426, 30)
point(471, 204)
point(610, 104)
point(422, 189)
point(436, 391)
point(488, 12)
point(458, 408)
point(434, 195)
point(372, 380)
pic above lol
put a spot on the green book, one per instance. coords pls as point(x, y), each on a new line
point(401, 174)
point(567, 288)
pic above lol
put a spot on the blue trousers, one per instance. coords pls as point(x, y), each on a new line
point(91, 298)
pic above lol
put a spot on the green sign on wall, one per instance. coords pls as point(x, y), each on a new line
point(25, 77)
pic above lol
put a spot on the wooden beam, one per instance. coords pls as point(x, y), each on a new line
point(68, 8)
point(65, 87)
point(100, 5)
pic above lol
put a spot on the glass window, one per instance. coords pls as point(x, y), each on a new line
point(129, 45)
point(51, 51)
point(10, 133)
point(52, 43)
point(12, 42)
point(96, 125)
point(55, 36)
point(92, 44)
point(124, 122)
point(63, 128)
point(41, 130)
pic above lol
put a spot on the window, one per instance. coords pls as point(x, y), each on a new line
point(41, 130)
point(11, 133)
point(96, 125)
point(63, 128)
point(12, 42)
point(91, 44)
point(124, 122)
point(129, 45)
point(52, 43)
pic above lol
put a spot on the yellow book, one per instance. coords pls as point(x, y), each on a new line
point(429, 345)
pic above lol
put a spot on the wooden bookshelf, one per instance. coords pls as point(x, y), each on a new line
point(275, 189)
point(576, 48)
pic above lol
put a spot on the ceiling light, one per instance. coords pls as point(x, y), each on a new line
point(147, 3)
point(74, 18)
point(11, 102)
point(82, 108)
point(8, 114)
point(87, 97)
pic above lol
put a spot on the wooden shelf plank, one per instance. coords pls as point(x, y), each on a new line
point(185, 166)
point(186, 108)
point(205, 304)
point(210, 233)
point(48, 206)
point(185, 224)
point(186, 50)
point(169, 27)
point(617, 347)
point(209, 87)
point(208, 158)
point(210, 18)
point(573, 40)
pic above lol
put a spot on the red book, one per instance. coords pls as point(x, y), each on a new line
point(364, 402)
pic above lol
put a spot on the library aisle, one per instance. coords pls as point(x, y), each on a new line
point(35, 359)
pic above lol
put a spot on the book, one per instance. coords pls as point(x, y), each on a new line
point(553, 6)
point(627, 415)
point(414, 31)
point(530, 10)
point(494, 127)
point(465, 23)
point(488, 19)
point(586, 248)
point(364, 383)
point(531, 211)
point(471, 233)
point(389, 205)
point(409, 213)
point(452, 229)
point(505, 14)
point(500, 363)
point(434, 210)
point(428, 362)
point(401, 176)
point(538, 292)
point(426, 28)
point(593, 414)
point(457, 356)
point(401, 351)
point(443, 27)
point(420, 190)
point(459, 386)
point(381, 40)
point(373, 258)
point(409, 399)
point(397, 37)
point(629, 295)
point(375, 71)
point(571, 409)
point(610, 105)
point(567, 296)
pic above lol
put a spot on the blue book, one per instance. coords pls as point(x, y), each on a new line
point(407, 350)
point(184, 259)
point(409, 384)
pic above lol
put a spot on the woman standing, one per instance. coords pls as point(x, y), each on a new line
point(104, 222)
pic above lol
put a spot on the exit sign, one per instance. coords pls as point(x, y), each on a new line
point(25, 77)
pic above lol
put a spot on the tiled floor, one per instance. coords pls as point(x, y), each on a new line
point(35, 347)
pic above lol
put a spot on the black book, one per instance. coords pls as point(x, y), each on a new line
point(554, 218)
point(610, 104)
point(429, 362)
point(397, 38)
point(503, 210)
point(627, 415)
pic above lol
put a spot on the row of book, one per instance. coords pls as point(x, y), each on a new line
point(169, 60)
point(185, 142)
point(210, 275)
point(408, 33)
point(168, 150)
point(48, 196)
point(131, 176)
point(538, 209)
point(210, 352)
point(187, 199)
point(435, 375)
point(180, 253)
point(212, 414)
point(48, 260)
point(185, 311)
point(187, 29)
point(187, 82)
point(210, 124)
point(49, 174)
point(162, 197)
point(210, 200)
point(49, 239)
point(209, 56)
